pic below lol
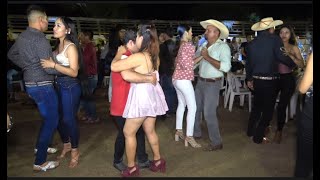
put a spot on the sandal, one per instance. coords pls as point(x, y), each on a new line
point(49, 165)
point(178, 135)
point(74, 158)
point(158, 165)
point(131, 171)
point(190, 140)
point(66, 149)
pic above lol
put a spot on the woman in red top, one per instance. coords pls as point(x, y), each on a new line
point(182, 77)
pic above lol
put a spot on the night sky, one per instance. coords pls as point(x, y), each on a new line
point(198, 12)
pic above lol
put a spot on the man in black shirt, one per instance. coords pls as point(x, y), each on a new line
point(167, 55)
point(263, 55)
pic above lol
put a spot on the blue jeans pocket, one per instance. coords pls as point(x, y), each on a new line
point(45, 97)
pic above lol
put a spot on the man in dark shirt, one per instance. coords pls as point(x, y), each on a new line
point(26, 52)
point(90, 65)
point(115, 40)
point(167, 55)
point(243, 48)
point(263, 55)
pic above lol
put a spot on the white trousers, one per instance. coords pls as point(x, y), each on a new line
point(186, 97)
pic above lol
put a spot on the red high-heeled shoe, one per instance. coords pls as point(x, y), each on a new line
point(128, 171)
point(160, 167)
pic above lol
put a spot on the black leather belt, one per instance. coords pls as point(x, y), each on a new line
point(209, 79)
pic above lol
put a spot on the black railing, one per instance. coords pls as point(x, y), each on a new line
point(18, 23)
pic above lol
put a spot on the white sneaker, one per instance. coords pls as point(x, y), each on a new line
point(50, 150)
point(50, 165)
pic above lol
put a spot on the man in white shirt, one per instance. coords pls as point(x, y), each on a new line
point(216, 61)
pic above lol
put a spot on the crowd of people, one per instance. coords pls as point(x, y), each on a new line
point(152, 76)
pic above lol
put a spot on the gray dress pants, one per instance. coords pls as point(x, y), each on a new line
point(207, 95)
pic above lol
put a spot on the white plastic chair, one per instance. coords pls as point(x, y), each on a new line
point(19, 82)
point(235, 89)
point(105, 81)
point(293, 104)
point(224, 88)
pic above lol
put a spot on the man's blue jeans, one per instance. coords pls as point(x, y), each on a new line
point(169, 92)
point(89, 105)
point(47, 101)
point(69, 92)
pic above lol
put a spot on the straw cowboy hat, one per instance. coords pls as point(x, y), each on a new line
point(266, 23)
point(224, 32)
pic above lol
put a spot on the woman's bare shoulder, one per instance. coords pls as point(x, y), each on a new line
point(140, 55)
point(136, 55)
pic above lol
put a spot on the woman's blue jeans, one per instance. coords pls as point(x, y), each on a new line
point(47, 101)
point(69, 92)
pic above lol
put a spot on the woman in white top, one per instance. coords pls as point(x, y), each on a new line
point(68, 62)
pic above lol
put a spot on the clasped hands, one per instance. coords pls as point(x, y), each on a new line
point(122, 49)
point(47, 63)
point(204, 53)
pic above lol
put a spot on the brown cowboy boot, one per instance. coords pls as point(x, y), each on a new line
point(267, 130)
point(277, 137)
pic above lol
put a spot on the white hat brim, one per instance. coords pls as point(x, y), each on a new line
point(256, 26)
point(224, 32)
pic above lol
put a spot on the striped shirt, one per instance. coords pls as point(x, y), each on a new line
point(31, 46)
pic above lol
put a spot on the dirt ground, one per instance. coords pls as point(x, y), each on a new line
point(240, 157)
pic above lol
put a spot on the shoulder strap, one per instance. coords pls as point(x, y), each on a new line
point(66, 48)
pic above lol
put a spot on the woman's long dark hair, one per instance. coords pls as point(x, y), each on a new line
point(292, 39)
point(180, 30)
point(150, 42)
point(73, 37)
